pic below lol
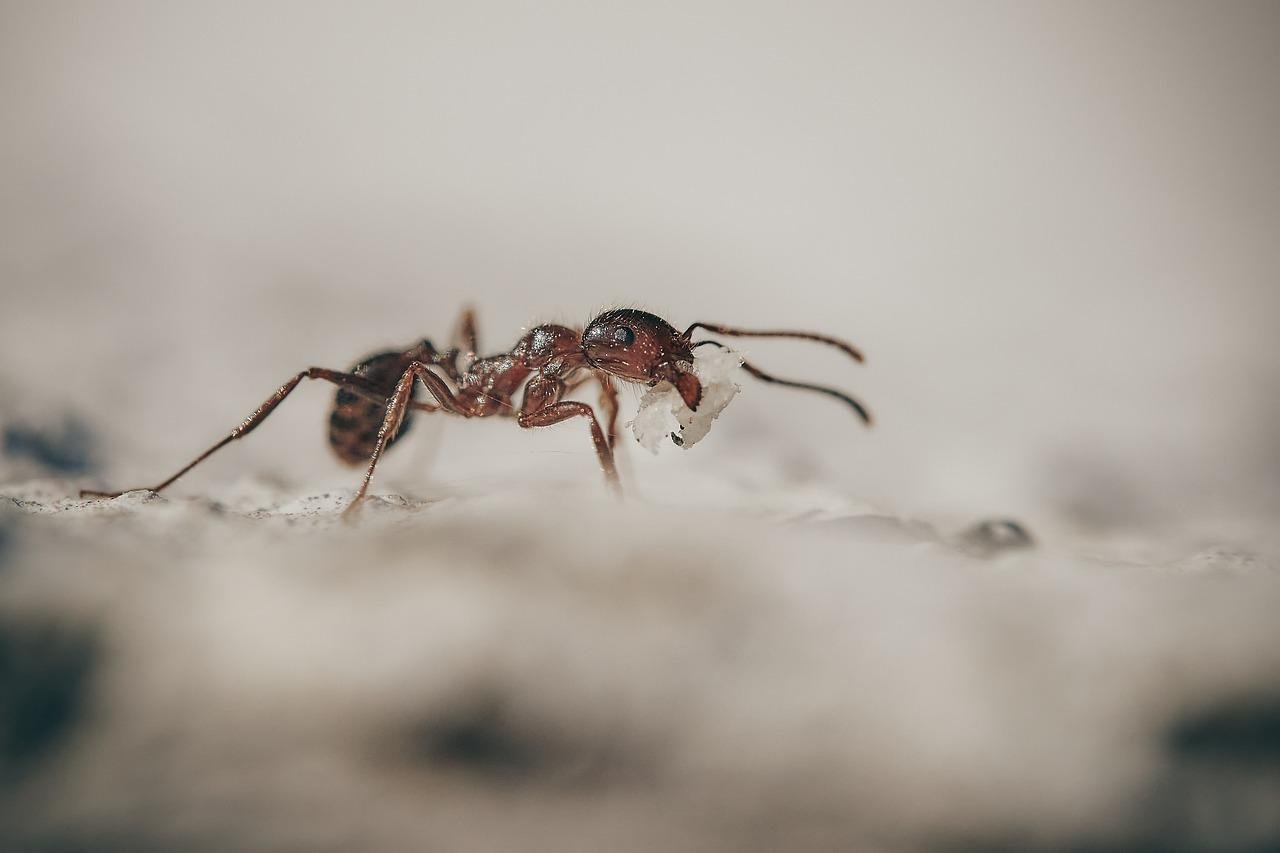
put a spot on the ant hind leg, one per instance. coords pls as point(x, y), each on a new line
point(401, 402)
point(355, 384)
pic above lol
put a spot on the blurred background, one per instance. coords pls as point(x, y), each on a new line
point(1053, 228)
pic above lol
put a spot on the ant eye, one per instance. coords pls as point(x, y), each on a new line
point(624, 336)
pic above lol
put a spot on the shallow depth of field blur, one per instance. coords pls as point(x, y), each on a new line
point(1054, 229)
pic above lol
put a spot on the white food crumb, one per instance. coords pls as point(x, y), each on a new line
point(662, 411)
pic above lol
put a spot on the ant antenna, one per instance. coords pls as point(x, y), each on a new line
point(847, 349)
point(857, 407)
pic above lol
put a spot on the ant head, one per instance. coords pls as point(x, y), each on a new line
point(641, 347)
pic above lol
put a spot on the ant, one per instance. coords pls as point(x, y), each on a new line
point(375, 404)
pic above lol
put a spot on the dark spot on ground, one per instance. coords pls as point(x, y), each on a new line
point(1245, 733)
point(64, 447)
point(486, 738)
point(994, 536)
point(6, 538)
point(44, 680)
point(1217, 790)
point(480, 737)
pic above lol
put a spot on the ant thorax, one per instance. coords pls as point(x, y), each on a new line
point(554, 351)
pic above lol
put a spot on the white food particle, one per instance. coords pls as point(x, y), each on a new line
point(663, 414)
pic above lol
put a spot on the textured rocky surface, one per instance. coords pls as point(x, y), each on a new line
point(246, 671)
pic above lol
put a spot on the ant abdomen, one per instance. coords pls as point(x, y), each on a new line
point(355, 420)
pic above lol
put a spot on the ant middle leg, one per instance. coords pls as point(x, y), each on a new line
point(467, 337)
point(355, 384)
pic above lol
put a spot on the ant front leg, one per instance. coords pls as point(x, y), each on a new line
point(609, 403)
point(400, 402)
point(608, 400)
point(540, 409)
point(355, 384)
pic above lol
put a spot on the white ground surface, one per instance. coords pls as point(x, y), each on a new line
point(548, 669)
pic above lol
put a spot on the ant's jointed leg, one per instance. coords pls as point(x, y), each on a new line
point(355, 384)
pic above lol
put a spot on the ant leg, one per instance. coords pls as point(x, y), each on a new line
point(557, 412)
point(355, 384)
point(608, 399)
point(857, 407)
point(609, 403)
point(425, 352)
point(438, 388)
point(400, 402)
point(467, 337)
point(848, 349)
point(464, 347)
point(539, 410)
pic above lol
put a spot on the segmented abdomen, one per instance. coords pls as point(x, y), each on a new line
point(355, 421)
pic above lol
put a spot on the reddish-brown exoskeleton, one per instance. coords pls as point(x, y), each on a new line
point(375, 399)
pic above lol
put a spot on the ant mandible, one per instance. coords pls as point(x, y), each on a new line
point(374, 405)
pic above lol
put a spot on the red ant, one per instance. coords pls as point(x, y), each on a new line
point(374, 403)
